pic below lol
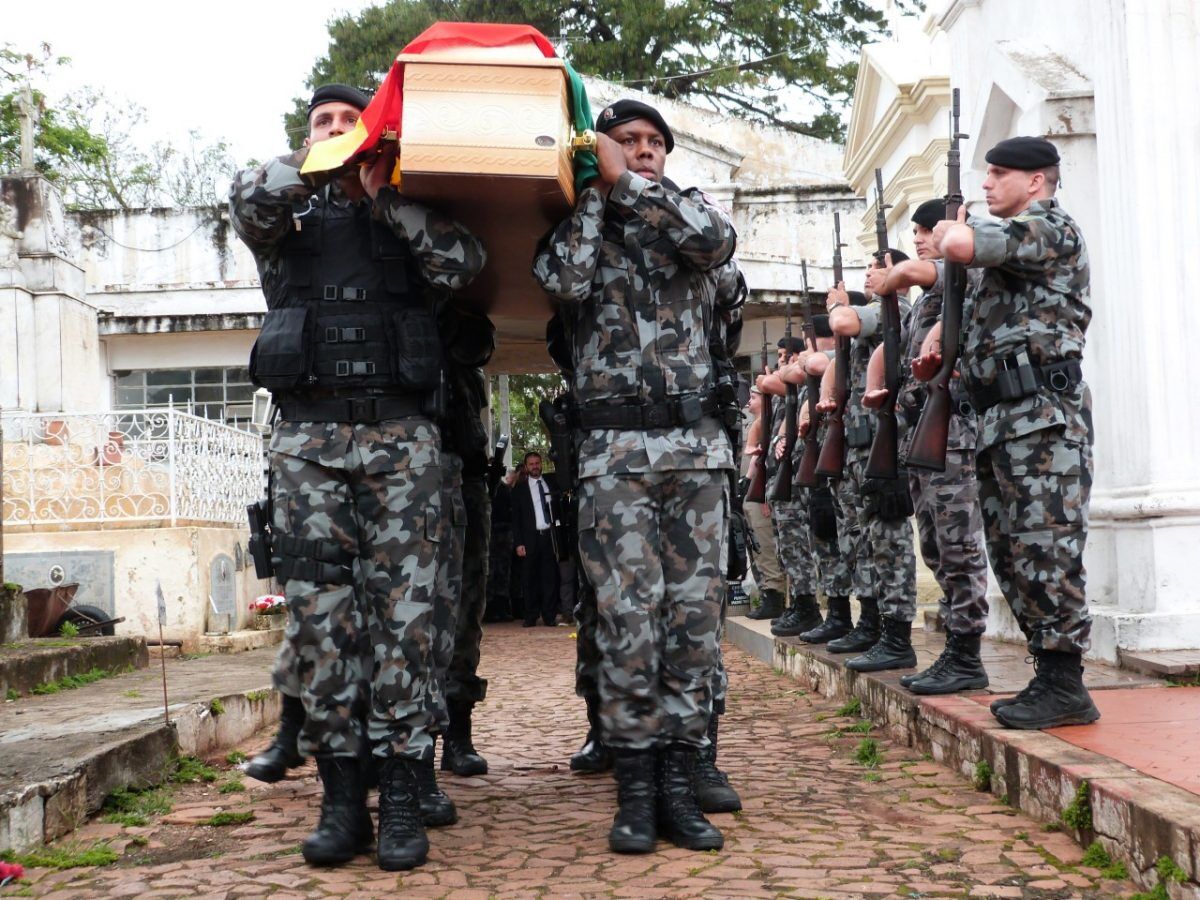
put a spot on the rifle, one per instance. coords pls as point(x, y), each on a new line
point(882, 463)
point(757, 492)
point(495, 470)
point(783, 479)
point(806, 474)
point(833, 450)
point(928, 448)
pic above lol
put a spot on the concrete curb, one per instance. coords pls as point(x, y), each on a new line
point(1136, 818)
point(139, 756)
point(38, 661)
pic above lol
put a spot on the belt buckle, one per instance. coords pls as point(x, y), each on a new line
point(657, 415)
point(363, 409)
point(1058, 381)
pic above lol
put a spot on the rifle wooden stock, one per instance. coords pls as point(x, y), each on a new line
point(884, 459)
point(782, 489)
point(806, 474)
point(757, 491)
point(928, 447)
point(833, 451)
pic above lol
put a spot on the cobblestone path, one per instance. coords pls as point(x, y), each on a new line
point(825, 816)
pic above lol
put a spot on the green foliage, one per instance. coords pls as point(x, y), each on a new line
point(873, 777)
point(232, 786)
point(216, 706)
point(525, 392)
point(68, 629)
point(983, 776)
point(1078, 813)
point(256, 696)
point(229, 818)
point(852, 707)
point(1168, 870)
point(138, 840)
point(66, 857)
point(70, 682)
point(789, 63)
point(863, 726)
point(131, 693)
point(133, 807)
point(189, 770)
point(11, 694)
point(233, 757)
point(868, 754)
point(1096, 857)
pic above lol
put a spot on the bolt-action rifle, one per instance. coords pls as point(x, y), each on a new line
point(882, 463)
point(928, 449)
point(757, 492)
point(782, 489)
point(833, 451)
point(806, 472)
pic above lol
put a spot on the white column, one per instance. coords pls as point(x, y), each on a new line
point(1144, 363)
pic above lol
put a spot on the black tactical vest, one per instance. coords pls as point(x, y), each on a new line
point(347, 308)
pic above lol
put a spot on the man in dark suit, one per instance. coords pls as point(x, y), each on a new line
point(534, 540)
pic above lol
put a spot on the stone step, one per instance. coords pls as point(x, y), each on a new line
point(1144, 799)
point(30, 663)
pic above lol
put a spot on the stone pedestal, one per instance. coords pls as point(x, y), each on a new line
point(14, 621)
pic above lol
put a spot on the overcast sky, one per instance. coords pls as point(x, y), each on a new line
point(228, 68)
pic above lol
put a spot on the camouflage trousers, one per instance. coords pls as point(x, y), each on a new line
point(793, 540)
point(463, 683)
point(371, 494)
point(855, 563)
point(890, 543)
point(500, 551)
point(451, 536)
point(1034, 493)
point(768, 574)
point(829, 557)
point(652, 546)
point(950, 527)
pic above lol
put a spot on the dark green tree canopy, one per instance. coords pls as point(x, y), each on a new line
point(789, 63)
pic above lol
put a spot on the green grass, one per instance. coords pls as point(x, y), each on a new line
point(139, 840)
point(70, 682)
point(134, 808)
point(1167, 872)
point(229, 818)
point(11, 694)
point(189, 770)
point(851, 707)
point(256, 696)
point(68, 629)
point(983, 776)
point(873, 777)
point(1078, 814)
point(868, 754)
point(863, 726)
point(132, 694)
point(216, 707)
point(67, 857)
point(231, 786)
point(233, 757)
point(1096, 857)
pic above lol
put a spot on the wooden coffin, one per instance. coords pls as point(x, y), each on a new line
point(486, 137)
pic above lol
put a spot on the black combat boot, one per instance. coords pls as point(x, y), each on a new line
point(1056, 696)
point(714, 794)
point(344, 830)
point(679, 818)
point(804, 615)
point(959, 668)
point(770, 605)
point(594, 755)
point(633, 829)
point(458, 753)
point(893, 650)
point(837, 624)
point(437, 809)
point(864, 635)
point(273, 763)
point(402, 841)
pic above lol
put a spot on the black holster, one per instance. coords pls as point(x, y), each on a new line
point(887, 499)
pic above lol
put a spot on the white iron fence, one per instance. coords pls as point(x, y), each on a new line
point(155, 465)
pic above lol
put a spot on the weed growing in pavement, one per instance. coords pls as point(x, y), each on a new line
point(256, 696)
point(983, 776)
point(70, 682)
point(66, 857)
point(1184, 680)
point(1078, 813)
point(216, 706)
point(1052, 826)
point(1167, 872)
point(11, 694)
point(228, 818)
point(1096, 857)
point(863, 726)
point(1022, 835)
point(189, 770)
point(851, 707)
point(231, 786)
point(131, 694)
point(138, 840)
point(873, 777)
point(233, 757)
point(129, 807)
point(68, 629)
point(867, 753)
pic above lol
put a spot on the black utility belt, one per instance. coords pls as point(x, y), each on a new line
point(859, 435)
point(360, 410)
point(675, 413)
point(1019, 381)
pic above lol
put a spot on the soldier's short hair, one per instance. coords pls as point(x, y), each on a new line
point(1053, 176)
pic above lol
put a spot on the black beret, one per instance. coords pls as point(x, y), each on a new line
point(792, 345)
point(821, 326)
point(1027, 153)
point(930, 213)
point(338, 93)
point(898, 256)
point(857, 298)
point(626, 111)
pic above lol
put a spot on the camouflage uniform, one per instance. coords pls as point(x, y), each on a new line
point(793, 534)
point(889, 542)
point(451, 536)
point(1031, 309)
point(949, 522)
point(848, 565)
point(365, 495)
point(638, 307)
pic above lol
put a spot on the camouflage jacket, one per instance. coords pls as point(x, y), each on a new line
point(920, 320)
point(632, 275)
point(1033, 295)
point(263, 202)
